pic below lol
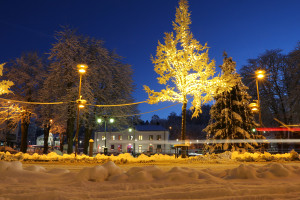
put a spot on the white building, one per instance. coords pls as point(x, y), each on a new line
point(51, 140)
point(141, 139)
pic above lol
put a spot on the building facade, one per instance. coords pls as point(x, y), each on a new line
point(52, 141)
point(140, 139)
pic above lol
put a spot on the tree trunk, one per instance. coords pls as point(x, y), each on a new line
point(61, 143)
point(24, 135)
point(70, 134)
point(46, 137)
point(87, 137)
point(183, 129)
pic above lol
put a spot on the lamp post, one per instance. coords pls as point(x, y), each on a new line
point(111, 120)
point(259, 74)
point(80, 103)
point(132, 130)
point(7, 127)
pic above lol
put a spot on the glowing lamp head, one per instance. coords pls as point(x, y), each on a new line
point(82, 68)
point(99, 120)
point(111, 120)
point(254, 107)
point(81, 102)
point(260, 74)
point(81, 71)
point(130, 129)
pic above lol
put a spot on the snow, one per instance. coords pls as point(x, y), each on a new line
point(128, 158)
point(110, 181)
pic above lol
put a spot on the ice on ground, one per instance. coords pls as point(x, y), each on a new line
point(109, 181)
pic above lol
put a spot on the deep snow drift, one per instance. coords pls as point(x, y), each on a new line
point(109, 181)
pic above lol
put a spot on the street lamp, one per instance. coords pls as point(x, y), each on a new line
point(259, 74)
point(254, 107)
point(111, 120)
point(80, 103)
point(132, 130)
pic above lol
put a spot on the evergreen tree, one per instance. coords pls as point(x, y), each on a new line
point(231, 117)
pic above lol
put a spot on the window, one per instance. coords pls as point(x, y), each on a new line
point(158, 148)
point(150, 148)
point(130, 137)
point(158, 137)
point(119, 137)
point(150, 137)
point(103, 137)
point(112, 146)
point(113, 137)
point(140, 137)
point(140, 148)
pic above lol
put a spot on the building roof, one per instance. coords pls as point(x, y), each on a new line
point(149, 128)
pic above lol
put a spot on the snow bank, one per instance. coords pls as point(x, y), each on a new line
point(109, 181)
point(111, 172)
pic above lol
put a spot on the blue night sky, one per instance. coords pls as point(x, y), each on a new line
point(244, 28)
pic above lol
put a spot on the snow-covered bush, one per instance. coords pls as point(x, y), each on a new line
point(128, 158)
point(257, 157)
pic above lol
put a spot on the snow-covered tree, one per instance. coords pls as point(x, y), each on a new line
point(231, 116)
point(27, 73)
point(184, 67)
point(107, 81)
point(9, 112)
point(4, 84)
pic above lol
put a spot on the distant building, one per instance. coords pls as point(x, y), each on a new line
point(140, 139)
point(8, 138)
point(52, 141)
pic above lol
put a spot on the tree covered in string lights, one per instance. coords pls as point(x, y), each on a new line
point(10, 113)
point(183, 65)
point(4, 84)
point(27, 73)
point(231, 116)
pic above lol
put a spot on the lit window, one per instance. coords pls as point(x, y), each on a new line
point(119, 137)
point(140, 148)
point(103, 137)
point(112, 147)
point(150, 137)
point(140, 137)
point(113, 137)
point(158, 137)
point(130, 137)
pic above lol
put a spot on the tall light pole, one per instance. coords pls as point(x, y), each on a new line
point(259, 74)
point(7, 126)
point(132, 130)
point(80, 103)
point(111, 120)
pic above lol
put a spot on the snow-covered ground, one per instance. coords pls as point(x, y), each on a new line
point(184, 181)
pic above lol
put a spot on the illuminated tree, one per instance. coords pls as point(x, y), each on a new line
point(184, 67)
point(4, 84)
point(9, 113)
point(27, 73)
